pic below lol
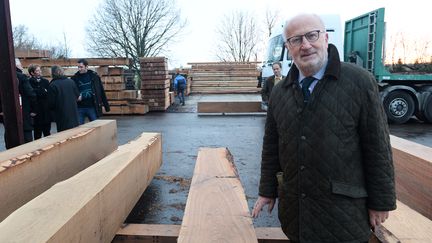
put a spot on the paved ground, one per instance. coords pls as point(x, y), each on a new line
point(184, 132)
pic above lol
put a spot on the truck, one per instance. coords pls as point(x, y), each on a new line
point(403, 94)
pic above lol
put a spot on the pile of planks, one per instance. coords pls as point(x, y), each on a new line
point(113, 76)
point(155, 83)
point(224, 77)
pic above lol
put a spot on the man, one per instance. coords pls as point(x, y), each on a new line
point(62, 100)
point(270, 83)
point(42, 120)
point(28, 102)
point(180, 86)
point(92, 94)
point(327, 134)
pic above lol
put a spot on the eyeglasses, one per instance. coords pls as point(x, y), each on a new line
point(297, 40)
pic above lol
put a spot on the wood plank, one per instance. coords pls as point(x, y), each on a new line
point(69, 62)
point(216, 208)
point(163, 233)
point(413, 174)
point(32, 53)
point(112, 79)
point(92, 205)
point(406, 225)
point(114, 86)
point(121, 95)
point(28, 170)
point(228, 106)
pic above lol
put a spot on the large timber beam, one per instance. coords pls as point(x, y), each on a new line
point(405, 225)
point(216, 208)
point(28, 170)
point(413, 170)
point(168, 233)
point(72, 62)
point(231, 107)
point(92, 205)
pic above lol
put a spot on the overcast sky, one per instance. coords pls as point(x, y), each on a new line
point(49, 19)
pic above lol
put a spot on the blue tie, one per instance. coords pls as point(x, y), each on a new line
point(306, 82)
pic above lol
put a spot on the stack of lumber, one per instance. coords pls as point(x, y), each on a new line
point(155, 83)
point(91, 205)
point(224, 77)
point(113, 76)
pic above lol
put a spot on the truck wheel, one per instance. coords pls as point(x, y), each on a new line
point(427, 113)
point(399, 107)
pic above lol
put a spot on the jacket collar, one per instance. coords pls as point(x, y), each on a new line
point(332, 70)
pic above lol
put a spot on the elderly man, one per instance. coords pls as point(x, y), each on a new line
point(62, 100)
point(326, 150)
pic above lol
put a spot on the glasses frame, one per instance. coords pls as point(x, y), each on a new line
point(289, 40)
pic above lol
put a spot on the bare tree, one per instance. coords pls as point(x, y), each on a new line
point(61, 49)
point(22, 39)
point(133, 28)
point(238, 37)
point(271, 17)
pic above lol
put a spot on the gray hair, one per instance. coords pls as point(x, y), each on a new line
point(287, 23)
point(57, 72)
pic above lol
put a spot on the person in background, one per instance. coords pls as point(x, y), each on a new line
point(92, 94)
point(180, 86)
point(259, 77)
point(326, 150)
point(28, 102)
point(62, 100)
point(42, 120)
point(270, 83)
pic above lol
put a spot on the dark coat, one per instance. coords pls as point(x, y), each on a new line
point(334, 152)
point(62, 100)
point(99, 98)
point(40, 87)
point(268, 87)
point(28, 100)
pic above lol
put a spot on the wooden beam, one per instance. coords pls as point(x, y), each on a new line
point(229, 106)
point(413, 172)
point(216, 208)
point(92, 205)
point(168, 233)
point(406, 225)
point(69, 62)
point(28, 170)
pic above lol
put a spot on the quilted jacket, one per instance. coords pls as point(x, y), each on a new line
point(334, 153)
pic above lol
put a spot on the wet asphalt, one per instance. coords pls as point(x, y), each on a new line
point(184, 132)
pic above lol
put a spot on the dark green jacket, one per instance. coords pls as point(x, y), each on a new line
point(334, 152)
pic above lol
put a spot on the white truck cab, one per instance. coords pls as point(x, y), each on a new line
point(277, 52)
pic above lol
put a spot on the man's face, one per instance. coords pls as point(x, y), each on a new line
point(276, 70)
point(37, 72)
point(82, 68)
point(309, 56)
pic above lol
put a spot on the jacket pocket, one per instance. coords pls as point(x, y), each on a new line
point(348, 190)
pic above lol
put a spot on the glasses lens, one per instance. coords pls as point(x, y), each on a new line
point(296, 40)
point(312, 36)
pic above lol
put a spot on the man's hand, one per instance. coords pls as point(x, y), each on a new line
point(260, 203)
point(376, 218)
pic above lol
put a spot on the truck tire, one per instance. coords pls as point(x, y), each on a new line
point(427, 113)
point(399, 107)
